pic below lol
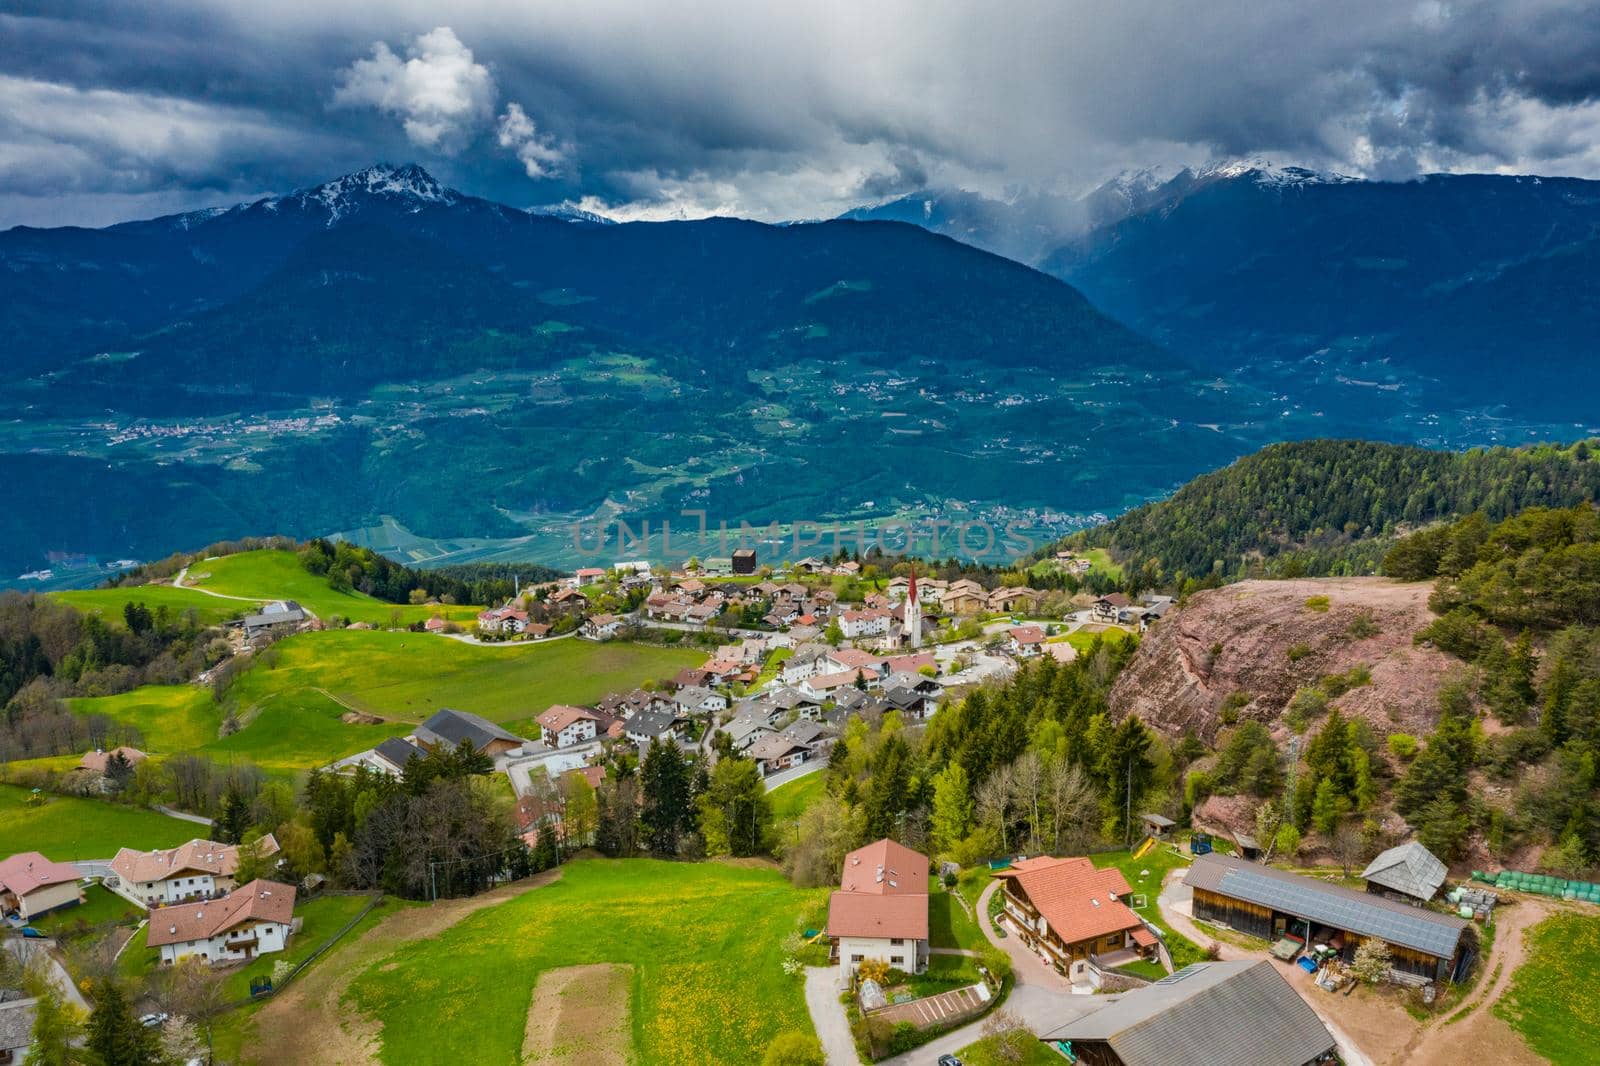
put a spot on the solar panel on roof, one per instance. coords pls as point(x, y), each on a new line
point(1417, 929)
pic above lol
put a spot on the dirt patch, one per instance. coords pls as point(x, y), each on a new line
point(579, 1014)
point(309, 1022)
point(360, 718)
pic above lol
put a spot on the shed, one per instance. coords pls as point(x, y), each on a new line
point(1156, 825)
point(1408, 871)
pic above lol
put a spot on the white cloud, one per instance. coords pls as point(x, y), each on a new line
point(539, 154)
point(440, 92)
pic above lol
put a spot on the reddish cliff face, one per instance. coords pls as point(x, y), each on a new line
point(1263, 639)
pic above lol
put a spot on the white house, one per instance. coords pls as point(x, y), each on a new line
point(602, 626)
point(565, 726)
point(1025, 641)
point(199, 869)
point(872, 622)
point(881, 909)
point(255, 919)
point(695, 699)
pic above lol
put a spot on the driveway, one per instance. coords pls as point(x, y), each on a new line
point(783, 777)
point(28, 950)
point(827, 1014)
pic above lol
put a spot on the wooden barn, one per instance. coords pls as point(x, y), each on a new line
point(1273, 904)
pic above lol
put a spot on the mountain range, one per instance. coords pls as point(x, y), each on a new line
point(452, 379)
point(384, 351)
point(1474, 289)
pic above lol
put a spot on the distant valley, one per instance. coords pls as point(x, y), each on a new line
point(450, 379)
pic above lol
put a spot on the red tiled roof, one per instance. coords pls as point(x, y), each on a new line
point(260, 901)
point(98, 760)
point(23, 873)
point(562, 715)
point(1079, 901)
point(883, 893)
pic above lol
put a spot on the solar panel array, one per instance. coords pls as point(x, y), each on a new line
point(1409, 927)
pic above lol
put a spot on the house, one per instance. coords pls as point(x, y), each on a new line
point(16, 1030)
point(807, 661)
point(1025, 641)
point(777, 752)
point(1156, 825)
point(692, 700)
point(97, 760)
point(589, 575)
point(1005, 600)
point(253, 920)
point(646, 726)
point(448, 728)
point(809, 565)
point(908, 701)
point(744, 731)
point(702, 613)
point(880, 910)
point(434, 625)
point(272, 615)
point(1155, 609)
point(395, 753)
point(1067, 909)
point(1105, 609)
point(1242, 1013)
point(911, 664)
point(565, 725)
point(872, 622)
point(601, 626)
point(31, 885)
point(1408, 872)
point(537, 630)
point(964, 597)
point(787, 700)
point(567, 600)
point(823, 686)
point(744, 561)
point(1273, 904)
point(198, 869)
point(852, 659)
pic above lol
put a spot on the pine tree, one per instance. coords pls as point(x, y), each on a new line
point(116, 1037)
point(952, 807)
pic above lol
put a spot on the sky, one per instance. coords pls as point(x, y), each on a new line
point(112, 110)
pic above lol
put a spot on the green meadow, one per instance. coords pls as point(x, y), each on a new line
point(278, 575)
point(704, 940)
point(67, 827)
point(108, 603)
point(1554, 994)
point(291, 702)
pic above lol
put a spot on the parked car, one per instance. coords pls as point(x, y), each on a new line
point(150, 1021)
point(949, 1060)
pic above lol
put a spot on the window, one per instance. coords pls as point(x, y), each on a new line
point(857, 958)
point(898, 962)
point(897, 941)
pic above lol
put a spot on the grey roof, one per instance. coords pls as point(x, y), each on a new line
point(650, 723)
point(283, 612)
point(1409, 868)
point(805, 731)
point(901, 698)
point(452, 727)
point(1158, 819)
point(16, 1024)
point(398, 751)
point(740, 728)
point(1331, 905)
point(1240, 1013)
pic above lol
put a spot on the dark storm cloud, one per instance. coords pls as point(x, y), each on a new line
point(109, 109)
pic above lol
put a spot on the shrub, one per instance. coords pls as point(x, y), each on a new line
point(794, 1048)
point(1317, 603)
point(1362, 626)
point(1403, 746)
point(1298, 652)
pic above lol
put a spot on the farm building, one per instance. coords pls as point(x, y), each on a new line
point(1273, 904)
point(1066, 909)
point(1406, 872)
point(1240, 1013)
point(448, 728)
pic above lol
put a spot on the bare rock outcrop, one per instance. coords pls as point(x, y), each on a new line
point(1267, 639)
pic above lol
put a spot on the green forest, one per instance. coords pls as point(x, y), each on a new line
point(1331, 507)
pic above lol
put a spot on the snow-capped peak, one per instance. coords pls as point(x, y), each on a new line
point(570, 211)
point(1266, 172)
point(407, 186)
point(1137, 183)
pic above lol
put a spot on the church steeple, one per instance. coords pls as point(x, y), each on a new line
point(913, 611)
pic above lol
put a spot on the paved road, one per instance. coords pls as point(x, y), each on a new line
point(27, 950)
point(827, 1014)
point(197, 819)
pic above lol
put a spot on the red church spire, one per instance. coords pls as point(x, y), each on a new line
point(911, 590)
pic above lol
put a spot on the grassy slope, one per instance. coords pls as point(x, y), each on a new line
point(1554, 999)
point(790, 801)
point(322, 918)
point(99, 907)
point(949, 924)
point(278, 575)
point(989, 1052)
point(1157, 863)
point(704, 941)
point(108, 603)
point(291, 702)
point(66, 828)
